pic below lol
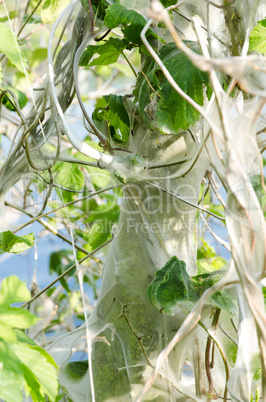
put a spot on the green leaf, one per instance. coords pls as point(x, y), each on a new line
point(257, 395)
point(11, 15)
point(206, 251)
point(258, 374)
point(13, 290)
point(207, 260)
point(22, 337)
point(1, 74)
point(17, 317)
point(88, 53)
point(108, 212)
point(31, 384)
point(98, 234)
point(10, 387)
point(70, 176)
point(231, 353)
point(98, 7)
point(10, 48)
point(116, 116)
point(108, 52)
point(11, 243)
point(11, 375)
point(35, 19)
point(173, 111)
point(7, 334)
point(38, 370)
point(9, 360)
point(224, 299)
point(116, 15)
point(142, 91)
point(51, 9)
point(257, 39)
point(166, 106)
point(21, 98)
point(59, 262)
point(132, 22)
point(170, 286)
point(23, 364)
point(168, 3)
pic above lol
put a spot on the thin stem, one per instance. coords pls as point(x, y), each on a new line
point(49, 227)
point(215, 189)
point(219, 6)
point(222, 353)
point(47, 194)
point(150, 85)
point(228, 336)
point(129, 63)
point(67, 204)
point(161, 165)
point(224, 243)
point(75, 141)
point(207, 367)
point(29, 17)
point(91, 16)
point(66, 272)
point(61, 187)
point(138, 337)
point(29, 34)
point(77, 57)
point(263, 130)
point(103, 36)
point(186, 202)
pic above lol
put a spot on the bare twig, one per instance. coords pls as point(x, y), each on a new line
point(66, 205)
point(138, 337)
point(49, 227)
point(29, 17)
point(67, 272)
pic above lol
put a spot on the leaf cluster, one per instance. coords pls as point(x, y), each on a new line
point(131, 24)
point(24, 366)
point(172, 287)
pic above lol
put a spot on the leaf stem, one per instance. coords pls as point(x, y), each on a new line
point(103, 36)
point(130, 65)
